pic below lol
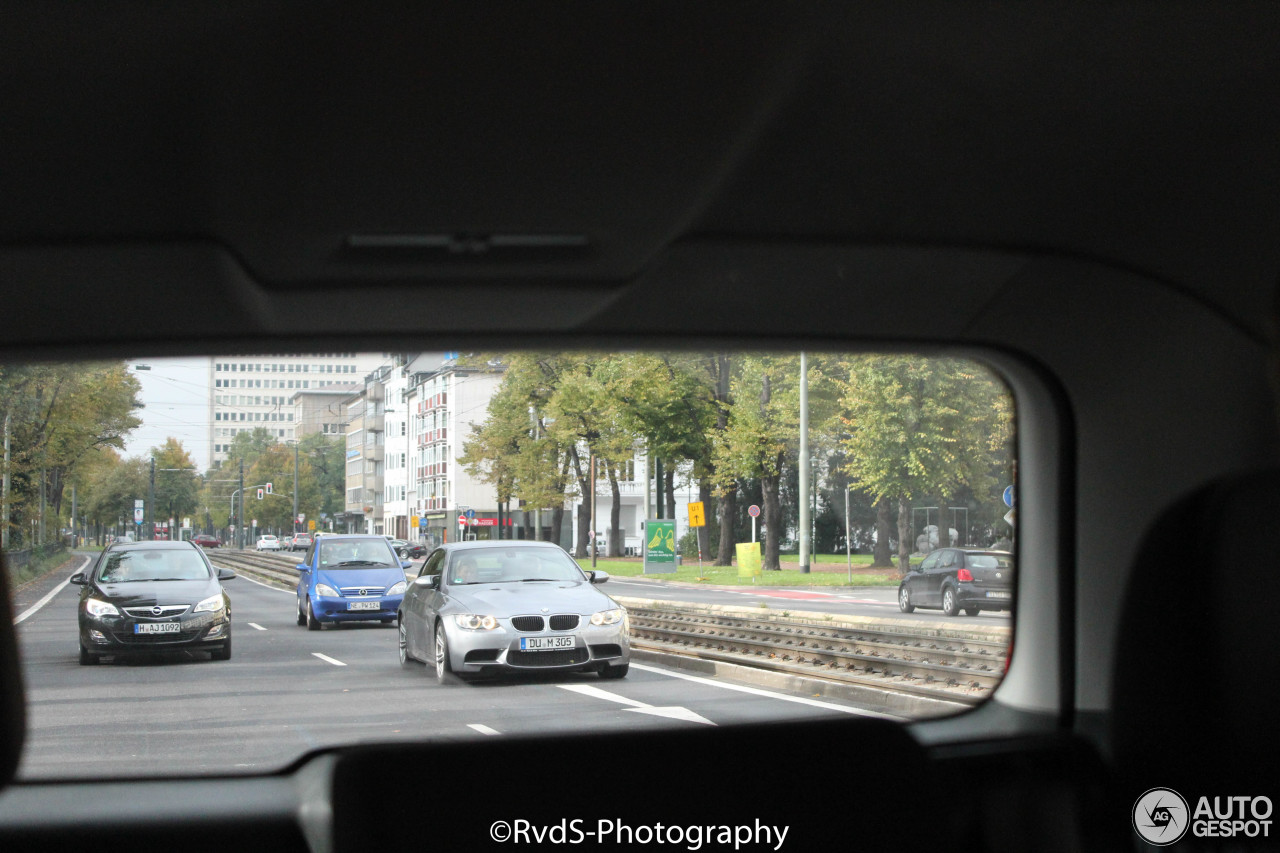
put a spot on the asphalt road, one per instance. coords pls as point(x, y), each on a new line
point(287, 690)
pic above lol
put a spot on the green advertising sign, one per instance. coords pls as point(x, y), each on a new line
point(659, 546)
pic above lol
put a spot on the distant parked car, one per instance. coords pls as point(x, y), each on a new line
point(408, 550)
point(955, 579)
point(300, 542)
point(207, 540)
point(268, 543)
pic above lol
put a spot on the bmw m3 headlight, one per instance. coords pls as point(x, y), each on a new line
point(97, 608)
point(323, 590)
point(471, 622)
point(212, 604)
point(606, 617)
point(397, 589)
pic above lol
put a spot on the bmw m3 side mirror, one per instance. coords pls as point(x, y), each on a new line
point(598, 576)
point(429, 581)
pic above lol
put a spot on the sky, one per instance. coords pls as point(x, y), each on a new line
point(175, 394)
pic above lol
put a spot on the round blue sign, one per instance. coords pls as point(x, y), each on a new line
point(471, 513)
point(1008, 496)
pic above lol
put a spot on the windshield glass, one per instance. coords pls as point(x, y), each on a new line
point(356, 554)
point(731, 503)
point(512, 566)
point(152, 565)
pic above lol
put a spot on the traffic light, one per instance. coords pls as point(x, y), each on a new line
point(259, 494)
point(268, 488)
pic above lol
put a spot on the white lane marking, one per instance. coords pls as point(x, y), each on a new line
point(588, 690)
point(674, 712)
point(242, 576)
point(755, 691)
point(484, 730)
point(328, 659)
point(42, 602)
point(256, 625)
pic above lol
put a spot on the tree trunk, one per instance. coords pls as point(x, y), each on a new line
point(728, 512)
point(772, 522)
point(904, 533)
point(615, 514)
point(883, 557)
point(704, 532)
point(584, 507)
point(557, 524)
point(944, 523)
point(670, 487)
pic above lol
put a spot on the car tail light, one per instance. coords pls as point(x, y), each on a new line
point(964, 575)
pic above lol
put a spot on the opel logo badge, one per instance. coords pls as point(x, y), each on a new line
point(157, 610)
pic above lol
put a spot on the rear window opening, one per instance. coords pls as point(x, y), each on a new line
point(774, 535)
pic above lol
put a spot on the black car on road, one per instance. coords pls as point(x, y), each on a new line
point(956, 579)
point(149, 597)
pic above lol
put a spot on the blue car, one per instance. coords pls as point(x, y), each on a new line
point(355, 578)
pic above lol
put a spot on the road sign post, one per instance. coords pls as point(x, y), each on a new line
point(754, 512)
point(698, 518)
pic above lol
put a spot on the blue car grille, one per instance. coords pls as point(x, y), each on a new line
point(361, 591)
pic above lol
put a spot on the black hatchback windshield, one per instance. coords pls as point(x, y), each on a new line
point(152, 565)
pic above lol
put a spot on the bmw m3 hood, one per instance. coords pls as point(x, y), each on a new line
point(512, 599)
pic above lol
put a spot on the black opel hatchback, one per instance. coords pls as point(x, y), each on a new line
point(149, 597)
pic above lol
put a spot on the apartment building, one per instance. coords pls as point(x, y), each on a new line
point(256, 391)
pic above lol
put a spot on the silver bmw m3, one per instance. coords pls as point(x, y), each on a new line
point(508, 606)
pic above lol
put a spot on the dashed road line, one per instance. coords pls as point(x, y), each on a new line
point(256, 625)
point(328, 659)
point(672, 712)
point(484, 730)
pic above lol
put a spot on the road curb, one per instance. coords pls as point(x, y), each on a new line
point(881, 701)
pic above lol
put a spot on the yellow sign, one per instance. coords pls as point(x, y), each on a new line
point(749, 561)
point(311, 524)
point(413, 523)
point(697, 518)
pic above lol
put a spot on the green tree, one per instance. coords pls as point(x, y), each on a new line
point(922, 427)
point(177, 482)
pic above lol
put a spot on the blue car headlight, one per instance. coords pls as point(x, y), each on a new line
point(323, 590)
point(398, 589)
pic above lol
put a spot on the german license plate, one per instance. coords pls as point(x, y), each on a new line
point(156, 628)
point(364, 605)
point(998, 595)
point(545, 644)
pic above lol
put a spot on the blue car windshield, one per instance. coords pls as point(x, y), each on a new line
point(368, 554)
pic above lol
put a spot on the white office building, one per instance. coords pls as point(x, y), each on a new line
point(252, 391)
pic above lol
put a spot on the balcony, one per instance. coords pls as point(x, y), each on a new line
point(375, 452)
point(376, 423)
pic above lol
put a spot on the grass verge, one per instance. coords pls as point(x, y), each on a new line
point(826, 575)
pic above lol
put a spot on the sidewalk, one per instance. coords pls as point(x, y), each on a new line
point(37, 588)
